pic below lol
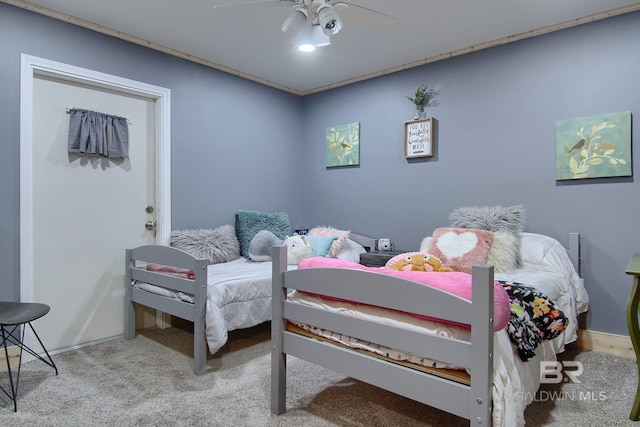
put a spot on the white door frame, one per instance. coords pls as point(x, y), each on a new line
point(32, 67)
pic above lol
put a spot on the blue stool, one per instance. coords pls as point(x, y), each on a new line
point(12, 316)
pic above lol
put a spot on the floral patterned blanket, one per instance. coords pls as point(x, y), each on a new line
point(534, 318)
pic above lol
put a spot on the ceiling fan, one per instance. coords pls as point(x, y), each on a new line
point(312, 22)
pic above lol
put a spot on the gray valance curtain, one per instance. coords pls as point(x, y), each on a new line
point(96, 133)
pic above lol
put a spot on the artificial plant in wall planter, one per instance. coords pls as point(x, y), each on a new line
point(423, 97)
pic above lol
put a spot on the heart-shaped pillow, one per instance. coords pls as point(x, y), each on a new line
point(461, 248)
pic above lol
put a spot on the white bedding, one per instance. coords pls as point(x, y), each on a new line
point(238, 296)
point(547, 267)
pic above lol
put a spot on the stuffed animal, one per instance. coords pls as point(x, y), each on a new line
point(261, 244)
point(416, 261)
point(436, 264)
point(297, 249)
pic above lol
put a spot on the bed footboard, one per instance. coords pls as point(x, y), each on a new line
point(135, 267)
point(472, 401)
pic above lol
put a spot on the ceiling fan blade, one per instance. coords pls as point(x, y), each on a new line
point(259, 4)
point(372, 19)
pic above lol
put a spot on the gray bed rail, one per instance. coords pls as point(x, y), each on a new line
point(472, 401)
point(135, 267)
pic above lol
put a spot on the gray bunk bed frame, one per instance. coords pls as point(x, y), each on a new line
point(399, 294)
point(135, 266)
point(135, 270)
point(471, 401)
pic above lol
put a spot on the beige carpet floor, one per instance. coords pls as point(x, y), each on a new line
point(148, 382)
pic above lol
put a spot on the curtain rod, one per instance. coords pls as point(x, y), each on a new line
point(68, 110)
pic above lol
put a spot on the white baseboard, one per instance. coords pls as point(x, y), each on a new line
point(619, 345)
point(14, 357)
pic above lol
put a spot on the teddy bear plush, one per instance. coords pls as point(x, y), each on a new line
point(297, 249)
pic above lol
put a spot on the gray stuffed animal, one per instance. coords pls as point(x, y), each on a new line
point(260, 245)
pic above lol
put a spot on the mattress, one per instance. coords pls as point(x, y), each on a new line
point(514, 383)
point(546, 266)
point(238, 296)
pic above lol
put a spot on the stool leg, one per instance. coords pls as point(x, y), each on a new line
point(50, 362)
point(14, 389)
point(20, 343)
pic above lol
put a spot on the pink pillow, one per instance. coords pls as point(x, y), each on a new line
point(461, 248)
point(338, 244)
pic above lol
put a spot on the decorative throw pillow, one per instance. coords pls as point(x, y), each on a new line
point(502, 254)
point(320, 246)
point(249, 223)
point(215, 245)
point(261, 245)
point(425, 244)
point(351, 251)
point(492, 218)
point(461, 248)
point(338, 245)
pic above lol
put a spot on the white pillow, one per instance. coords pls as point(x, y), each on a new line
point(425, 245)
point(351, 251)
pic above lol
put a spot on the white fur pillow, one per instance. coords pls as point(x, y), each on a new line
point(337, 245)
point(425, 244)
point(503, 252)
point(215, 245)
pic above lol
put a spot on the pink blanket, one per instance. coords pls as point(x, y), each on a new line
point(173, 271)
point(455, 283)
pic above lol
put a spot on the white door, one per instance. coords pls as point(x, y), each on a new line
point(85, 211)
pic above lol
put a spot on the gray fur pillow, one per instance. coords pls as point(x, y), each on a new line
point(492, 218)
point(215, 245)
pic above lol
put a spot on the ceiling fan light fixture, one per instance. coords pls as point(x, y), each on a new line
point(312, 37)
point(295, 22)
point(329, 20)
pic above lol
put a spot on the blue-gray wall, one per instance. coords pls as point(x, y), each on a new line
point(495, 145)
point(495, 142)
point(233, 141)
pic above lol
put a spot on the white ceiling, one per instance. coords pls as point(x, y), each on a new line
point(248, 41)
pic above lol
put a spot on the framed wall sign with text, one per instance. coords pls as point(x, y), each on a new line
point(418, 138)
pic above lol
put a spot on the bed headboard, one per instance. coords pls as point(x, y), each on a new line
point(367, 242)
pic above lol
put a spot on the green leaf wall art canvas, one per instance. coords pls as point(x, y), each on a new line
point(343, 145)
point(594, 147)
